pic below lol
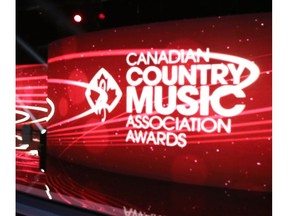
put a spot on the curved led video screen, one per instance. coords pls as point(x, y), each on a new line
point(185, 101)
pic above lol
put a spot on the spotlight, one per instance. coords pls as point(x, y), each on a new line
point(101, 16)
point(77, 18)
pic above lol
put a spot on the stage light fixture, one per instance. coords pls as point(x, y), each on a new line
point(101, 16)
point(77, 18)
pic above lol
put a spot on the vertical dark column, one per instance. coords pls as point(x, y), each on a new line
point(27, 134)
point(42, 150)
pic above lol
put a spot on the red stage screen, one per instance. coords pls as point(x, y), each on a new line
point(186, 101)
point(32, 105)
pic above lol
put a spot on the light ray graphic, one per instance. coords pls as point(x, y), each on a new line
point(81, 115)
point(28, 66)
point(259, 110)
point(112, 141)
point(42, 109)
point(31, 95)
point(95, 139)
point(52, 106)
point(31, 78)
point(192, 142)
point(31, 88)
point(31, 101)
point(30, 114)
point(25, 118)
point(255, 123)
point(29, 50)
point(68, 82)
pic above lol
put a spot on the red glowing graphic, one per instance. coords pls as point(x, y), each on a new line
point(181, 108)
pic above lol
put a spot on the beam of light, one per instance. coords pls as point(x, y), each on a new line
point(39, 126)
point(83, 134)
point(28, 66)
point(31, 78)
point(30, 101)
point(31, 88)
point(96, 139)
point(56, 14)
point(81, 115)
point(267, 122)
point(25, 118)
point(209, 141)
point(259, 110)
point(52, 106)
point(31, 95)
point(65, 149)
point(244, 139)
point(42, 109)
point(121, 143)
point(27, 48)
point(36, 120)
point(69, 82)
point(47, 118)
point(232, 134)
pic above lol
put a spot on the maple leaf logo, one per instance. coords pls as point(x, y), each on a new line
point(103, 93)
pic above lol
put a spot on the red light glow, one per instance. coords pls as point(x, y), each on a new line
point(101, 16)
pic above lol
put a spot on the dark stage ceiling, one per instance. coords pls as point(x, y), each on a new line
point(39, 22)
